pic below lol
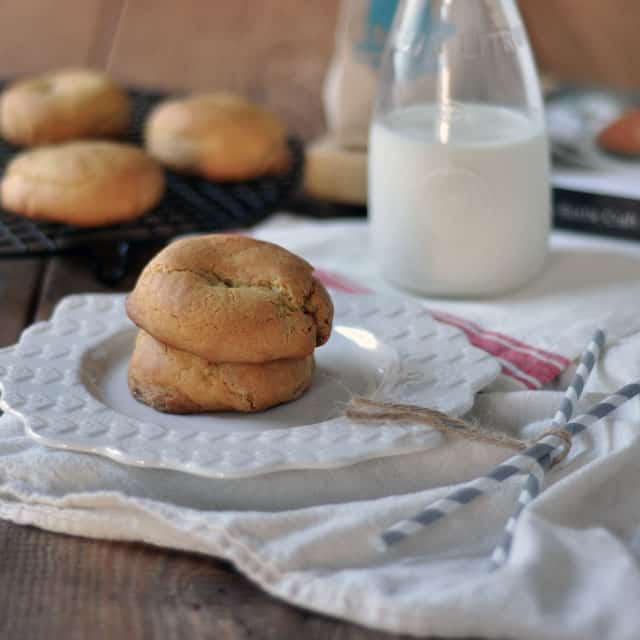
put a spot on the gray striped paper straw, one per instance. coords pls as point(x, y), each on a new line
point(575, 389)
point(603, 409)
point(533, 482)
point(529, 492)
point(525, 462)
point(484, 484)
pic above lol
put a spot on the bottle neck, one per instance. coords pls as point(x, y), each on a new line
point(453, 51)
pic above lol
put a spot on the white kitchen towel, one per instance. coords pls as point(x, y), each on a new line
point(306, 536)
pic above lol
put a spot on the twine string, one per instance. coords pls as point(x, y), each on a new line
point(562, 451)
point(365, 410)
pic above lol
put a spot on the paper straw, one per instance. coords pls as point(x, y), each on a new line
point(533, 483)
point(525, 462)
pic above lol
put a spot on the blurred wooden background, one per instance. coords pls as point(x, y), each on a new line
point(277, 51)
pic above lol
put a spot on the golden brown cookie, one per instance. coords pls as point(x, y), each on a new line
point(220, 136)
point(63, 105)
point(175, 381)
point(85, 183)
point(230, 298)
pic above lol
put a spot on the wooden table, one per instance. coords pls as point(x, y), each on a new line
point(56, 586)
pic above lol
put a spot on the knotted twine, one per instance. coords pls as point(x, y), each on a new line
point(366, 410)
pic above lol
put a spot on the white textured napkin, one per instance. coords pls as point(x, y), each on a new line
point(305, 536)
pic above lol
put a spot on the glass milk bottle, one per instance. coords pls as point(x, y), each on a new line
point(459, 197)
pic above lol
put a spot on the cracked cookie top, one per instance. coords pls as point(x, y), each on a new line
point(230, 298)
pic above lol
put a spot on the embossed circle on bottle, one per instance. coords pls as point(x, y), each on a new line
point(454, 197)
point(455, 232)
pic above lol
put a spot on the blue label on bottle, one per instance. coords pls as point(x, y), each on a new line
point(375, 31)
point(420, 39)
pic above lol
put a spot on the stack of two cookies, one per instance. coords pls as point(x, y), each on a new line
point(226, 323)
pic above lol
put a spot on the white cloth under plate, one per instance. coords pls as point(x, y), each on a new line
point(306, 536)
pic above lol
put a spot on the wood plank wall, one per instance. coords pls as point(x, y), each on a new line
point(589, 41)
point(276, 51)
point(273, 51)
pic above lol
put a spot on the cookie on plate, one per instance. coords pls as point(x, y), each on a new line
point(230, 298)
point(84, 183)
point(175, 381)
point(63, 105)
point(220, 136)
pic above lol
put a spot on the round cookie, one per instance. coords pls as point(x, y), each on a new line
point(85, 183)
point(230, 298)
point(622, 136)
point(220, 136)
point(175, 381)
point(63, 105)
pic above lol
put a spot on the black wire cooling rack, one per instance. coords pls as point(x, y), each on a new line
point(190, 205)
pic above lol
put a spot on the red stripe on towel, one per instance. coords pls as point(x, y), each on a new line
point(538, 366)
point(338, 282)
point(528, 365)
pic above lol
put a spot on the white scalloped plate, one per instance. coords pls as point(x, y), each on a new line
point(66, 380)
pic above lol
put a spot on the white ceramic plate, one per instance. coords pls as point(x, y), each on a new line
point(66, 380)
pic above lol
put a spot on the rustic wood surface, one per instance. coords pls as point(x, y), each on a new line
point(19, 292)
point(57, 587)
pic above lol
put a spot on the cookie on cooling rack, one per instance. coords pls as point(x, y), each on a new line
point(220, 136)
point(83, 183)
point(230, 298)
point(175, 381)
point(63, 105)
